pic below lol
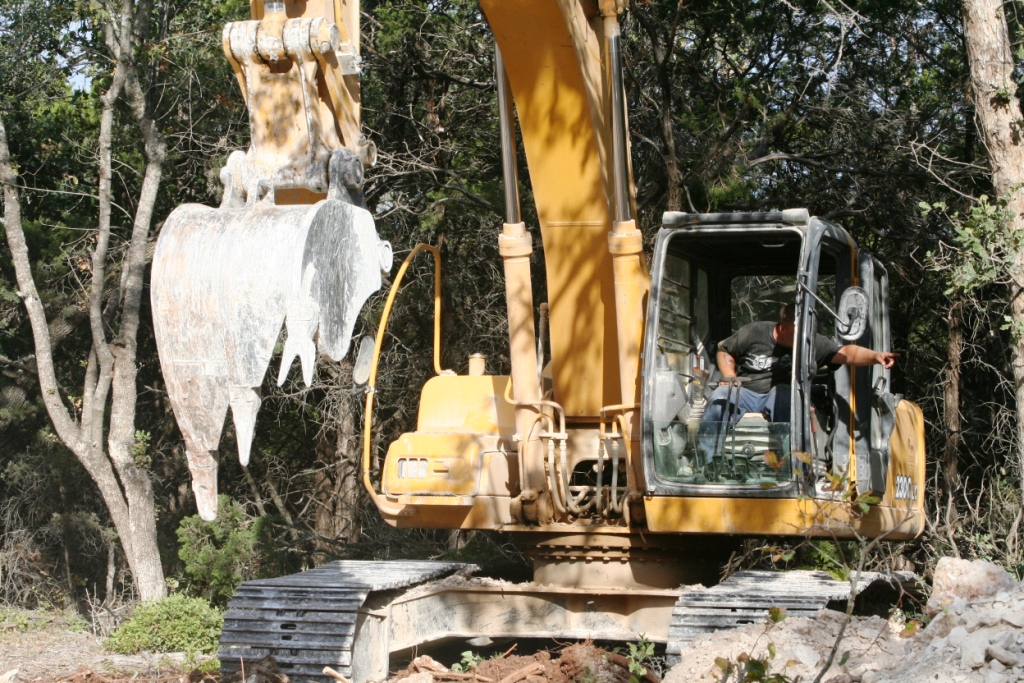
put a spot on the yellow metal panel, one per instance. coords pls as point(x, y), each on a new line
point(905, 485)
point(587, 34)
point(568, 178)
point(449, 465)
point(486, 512)
point(433, 464)
point(411, 499)
point(726, 515)
point(462, 403)
point(276, 93)
point(776, 517)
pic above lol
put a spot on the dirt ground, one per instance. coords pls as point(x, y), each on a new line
point(36, 647)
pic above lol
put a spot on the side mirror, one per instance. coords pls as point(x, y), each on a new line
point(852, 314)
point(364, 357)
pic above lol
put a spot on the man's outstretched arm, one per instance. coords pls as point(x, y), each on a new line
point(851, 354)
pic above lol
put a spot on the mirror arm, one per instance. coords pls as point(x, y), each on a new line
point(825, 305)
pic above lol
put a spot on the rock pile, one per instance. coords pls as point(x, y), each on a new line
point(976, 636)
point(977, 633)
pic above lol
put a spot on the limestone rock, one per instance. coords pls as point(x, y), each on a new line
point(1015, 617)
point(421, 677)
point(957, 636)
point(1002, 656)
point(966, 579)
point(428, 663)
point(973, 651)
point(975, 638)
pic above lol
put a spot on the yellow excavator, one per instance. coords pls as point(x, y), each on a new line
point(594, 453)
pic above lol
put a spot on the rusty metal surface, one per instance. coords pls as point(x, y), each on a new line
point(224, 283)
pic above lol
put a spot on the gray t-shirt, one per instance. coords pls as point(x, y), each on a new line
point(765, 361)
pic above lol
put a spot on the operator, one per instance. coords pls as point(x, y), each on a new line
point(762, 352)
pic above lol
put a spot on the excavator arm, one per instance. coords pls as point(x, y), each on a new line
point(556, 57)
point(291, 243)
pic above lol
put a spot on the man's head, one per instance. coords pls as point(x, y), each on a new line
point(786, 326)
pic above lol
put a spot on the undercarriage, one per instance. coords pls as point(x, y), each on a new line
point(356, 617)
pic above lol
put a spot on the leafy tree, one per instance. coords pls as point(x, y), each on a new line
point(219, 555)
point(84, 289)
point(994, 85)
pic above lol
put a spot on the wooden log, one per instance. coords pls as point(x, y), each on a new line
point(525, 672)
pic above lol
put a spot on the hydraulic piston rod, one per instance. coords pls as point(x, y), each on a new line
point(509, 163)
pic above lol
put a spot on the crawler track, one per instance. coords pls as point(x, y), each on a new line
point(308, 620)
point(747, 596)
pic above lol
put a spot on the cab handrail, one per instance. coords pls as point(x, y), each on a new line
point(371, 385)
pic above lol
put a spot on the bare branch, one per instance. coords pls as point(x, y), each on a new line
point(68, 430)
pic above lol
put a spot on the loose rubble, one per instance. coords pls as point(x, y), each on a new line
point(580, 662)
point(976, 636)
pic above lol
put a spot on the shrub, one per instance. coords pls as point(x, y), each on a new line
point(175, 624)
point(221, 554)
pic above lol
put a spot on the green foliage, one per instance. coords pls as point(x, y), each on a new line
point(204, 664)
point(35, 46)
point(176, 623)
point(638, 656)
point(470, 660)
point(140, 448)
point(747, 669)
point(984, 244)
point(828, 556)
point(219, 555)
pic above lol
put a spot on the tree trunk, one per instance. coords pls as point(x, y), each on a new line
point(337, 480)
point(990, 58)
point(951, 397)
point(131, 508)
point(106, 447)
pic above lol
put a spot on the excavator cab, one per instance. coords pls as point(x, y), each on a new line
point(714, 273)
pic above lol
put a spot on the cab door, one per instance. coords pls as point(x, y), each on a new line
point(863, 411)
point(821, 394)
point(879, 403)
point(706, 283)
